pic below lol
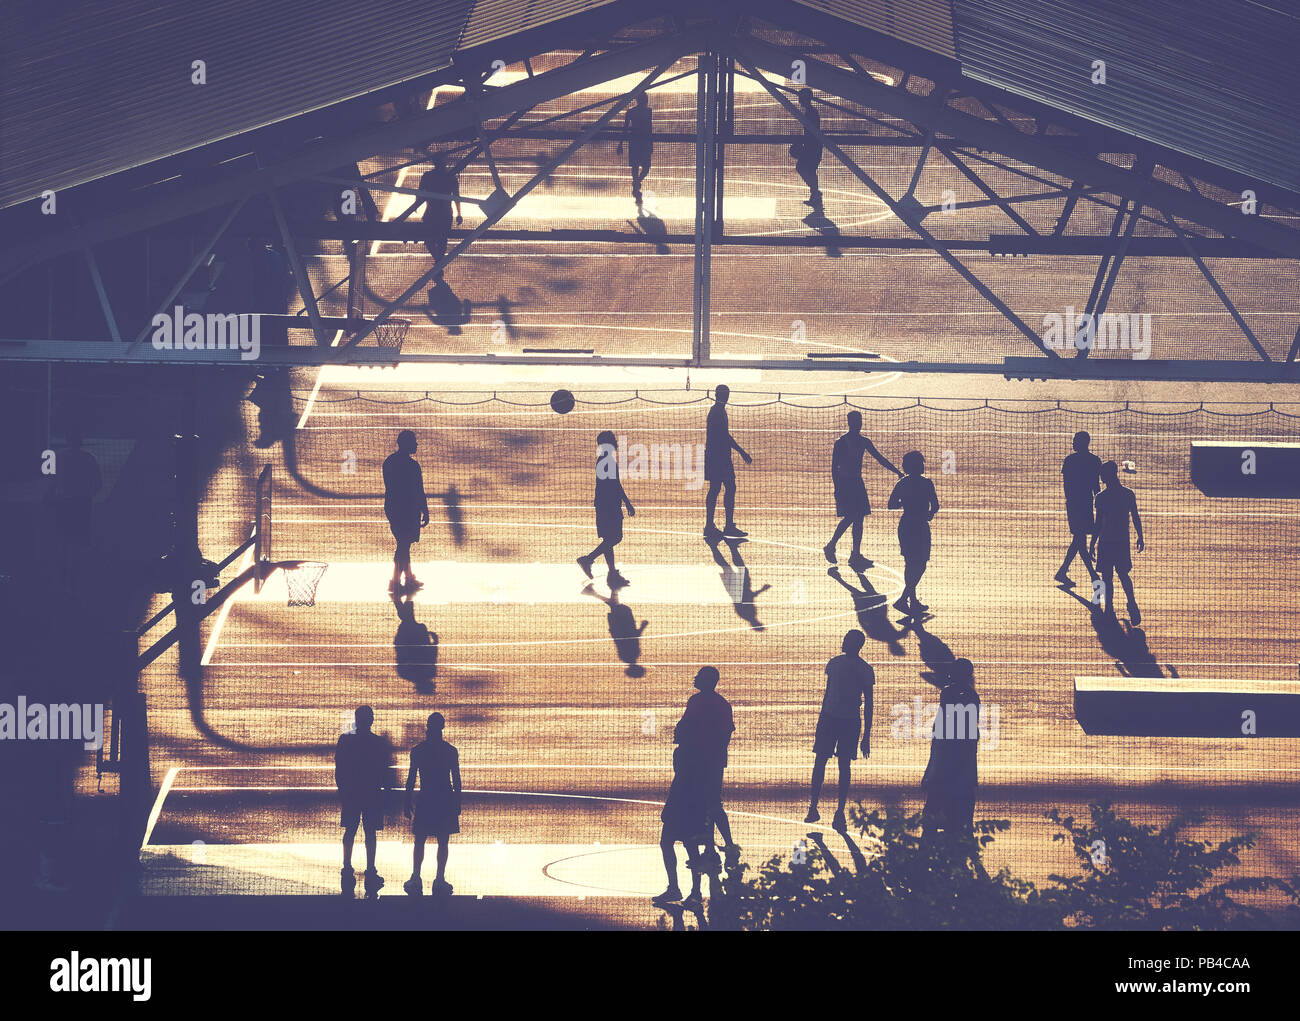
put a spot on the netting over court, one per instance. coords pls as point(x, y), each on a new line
point(561, 695)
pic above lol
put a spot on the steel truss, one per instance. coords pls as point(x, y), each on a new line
point(1075, 163)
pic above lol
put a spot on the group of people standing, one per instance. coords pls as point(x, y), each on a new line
point(1098, 520)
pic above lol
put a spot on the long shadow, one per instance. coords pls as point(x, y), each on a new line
point(650, 227)
point(872, 609)
point(739, 585)
point(833, 863)
point(415, 647)
point(826, 227)
point(447, 309)
point(1124, 643)
point(935, 653)
point(623, 630)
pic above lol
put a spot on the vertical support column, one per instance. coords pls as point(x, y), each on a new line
point(706, 122)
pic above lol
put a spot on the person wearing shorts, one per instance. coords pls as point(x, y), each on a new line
point(440, 180)
point(361, 761)
point(1080, 473)
point(637, 122)
point(1110, 542)
point(851, 503)
point(914, 495)
point(406, 507)
point(436, 811)
point(850, 682)
point(719, 472)
point(807, 152)
point(610, 499)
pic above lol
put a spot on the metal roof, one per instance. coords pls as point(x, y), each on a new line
point(924, 23)
point(1215, 79)
point(93, 88)
point(490, 20)
point(100, 87)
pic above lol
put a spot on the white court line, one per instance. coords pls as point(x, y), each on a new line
point(156, 811)
point(244, 563)
point(1009, 768)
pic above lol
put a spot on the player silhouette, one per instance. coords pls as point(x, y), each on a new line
point(851, 503)
point(406, 507)
point(718, 469)
point(361, 761)
point(915, 495)
point(637, 122)
point(849, 685)
point(807, 152)
point(694, 803)
point(437, 215)
point(436, 812)
point(609, 502)
point(951, 776)
point(1110, 541)
point(1079, 476)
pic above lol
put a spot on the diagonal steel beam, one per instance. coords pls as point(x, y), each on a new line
point(299, 270)
point(104, 305)
point(1002, 203)
point(190, 270)
point(615, 109)
point(904, 215)
point(1036, 150)
point(1223, 297)
point(1108, 270)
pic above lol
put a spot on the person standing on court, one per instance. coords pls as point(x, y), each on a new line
point(718, 469)
point(436, 813)
point(951, 776)
point(440, 180)
point(406, 507)
point(1080, 475)
point(850, 682)
point(851, 503)
point(704, 734)
point(609, 501)
point(637, 123)
point(807, 152)
point(914, 494)
point(361, 761)
point(1110, 541)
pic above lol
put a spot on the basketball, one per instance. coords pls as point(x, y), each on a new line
point(562, 402)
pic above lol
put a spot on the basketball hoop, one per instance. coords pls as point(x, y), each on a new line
point(391, 333)
point(301, 577)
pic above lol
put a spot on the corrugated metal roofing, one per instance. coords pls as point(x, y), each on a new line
point(924, 23)
point(93, 88)
point(1216, 79)
point(490, 20)
point(104, 86)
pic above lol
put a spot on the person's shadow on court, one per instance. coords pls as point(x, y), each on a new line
point(935, 653)
point(1126, 644)
point(872, 609)
point(446, 309)
point(650, 227)
point(826, 227)
point(832, 863)
point(415, 647)
point(451, 500)
point(623, 629)
point(737, 581)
